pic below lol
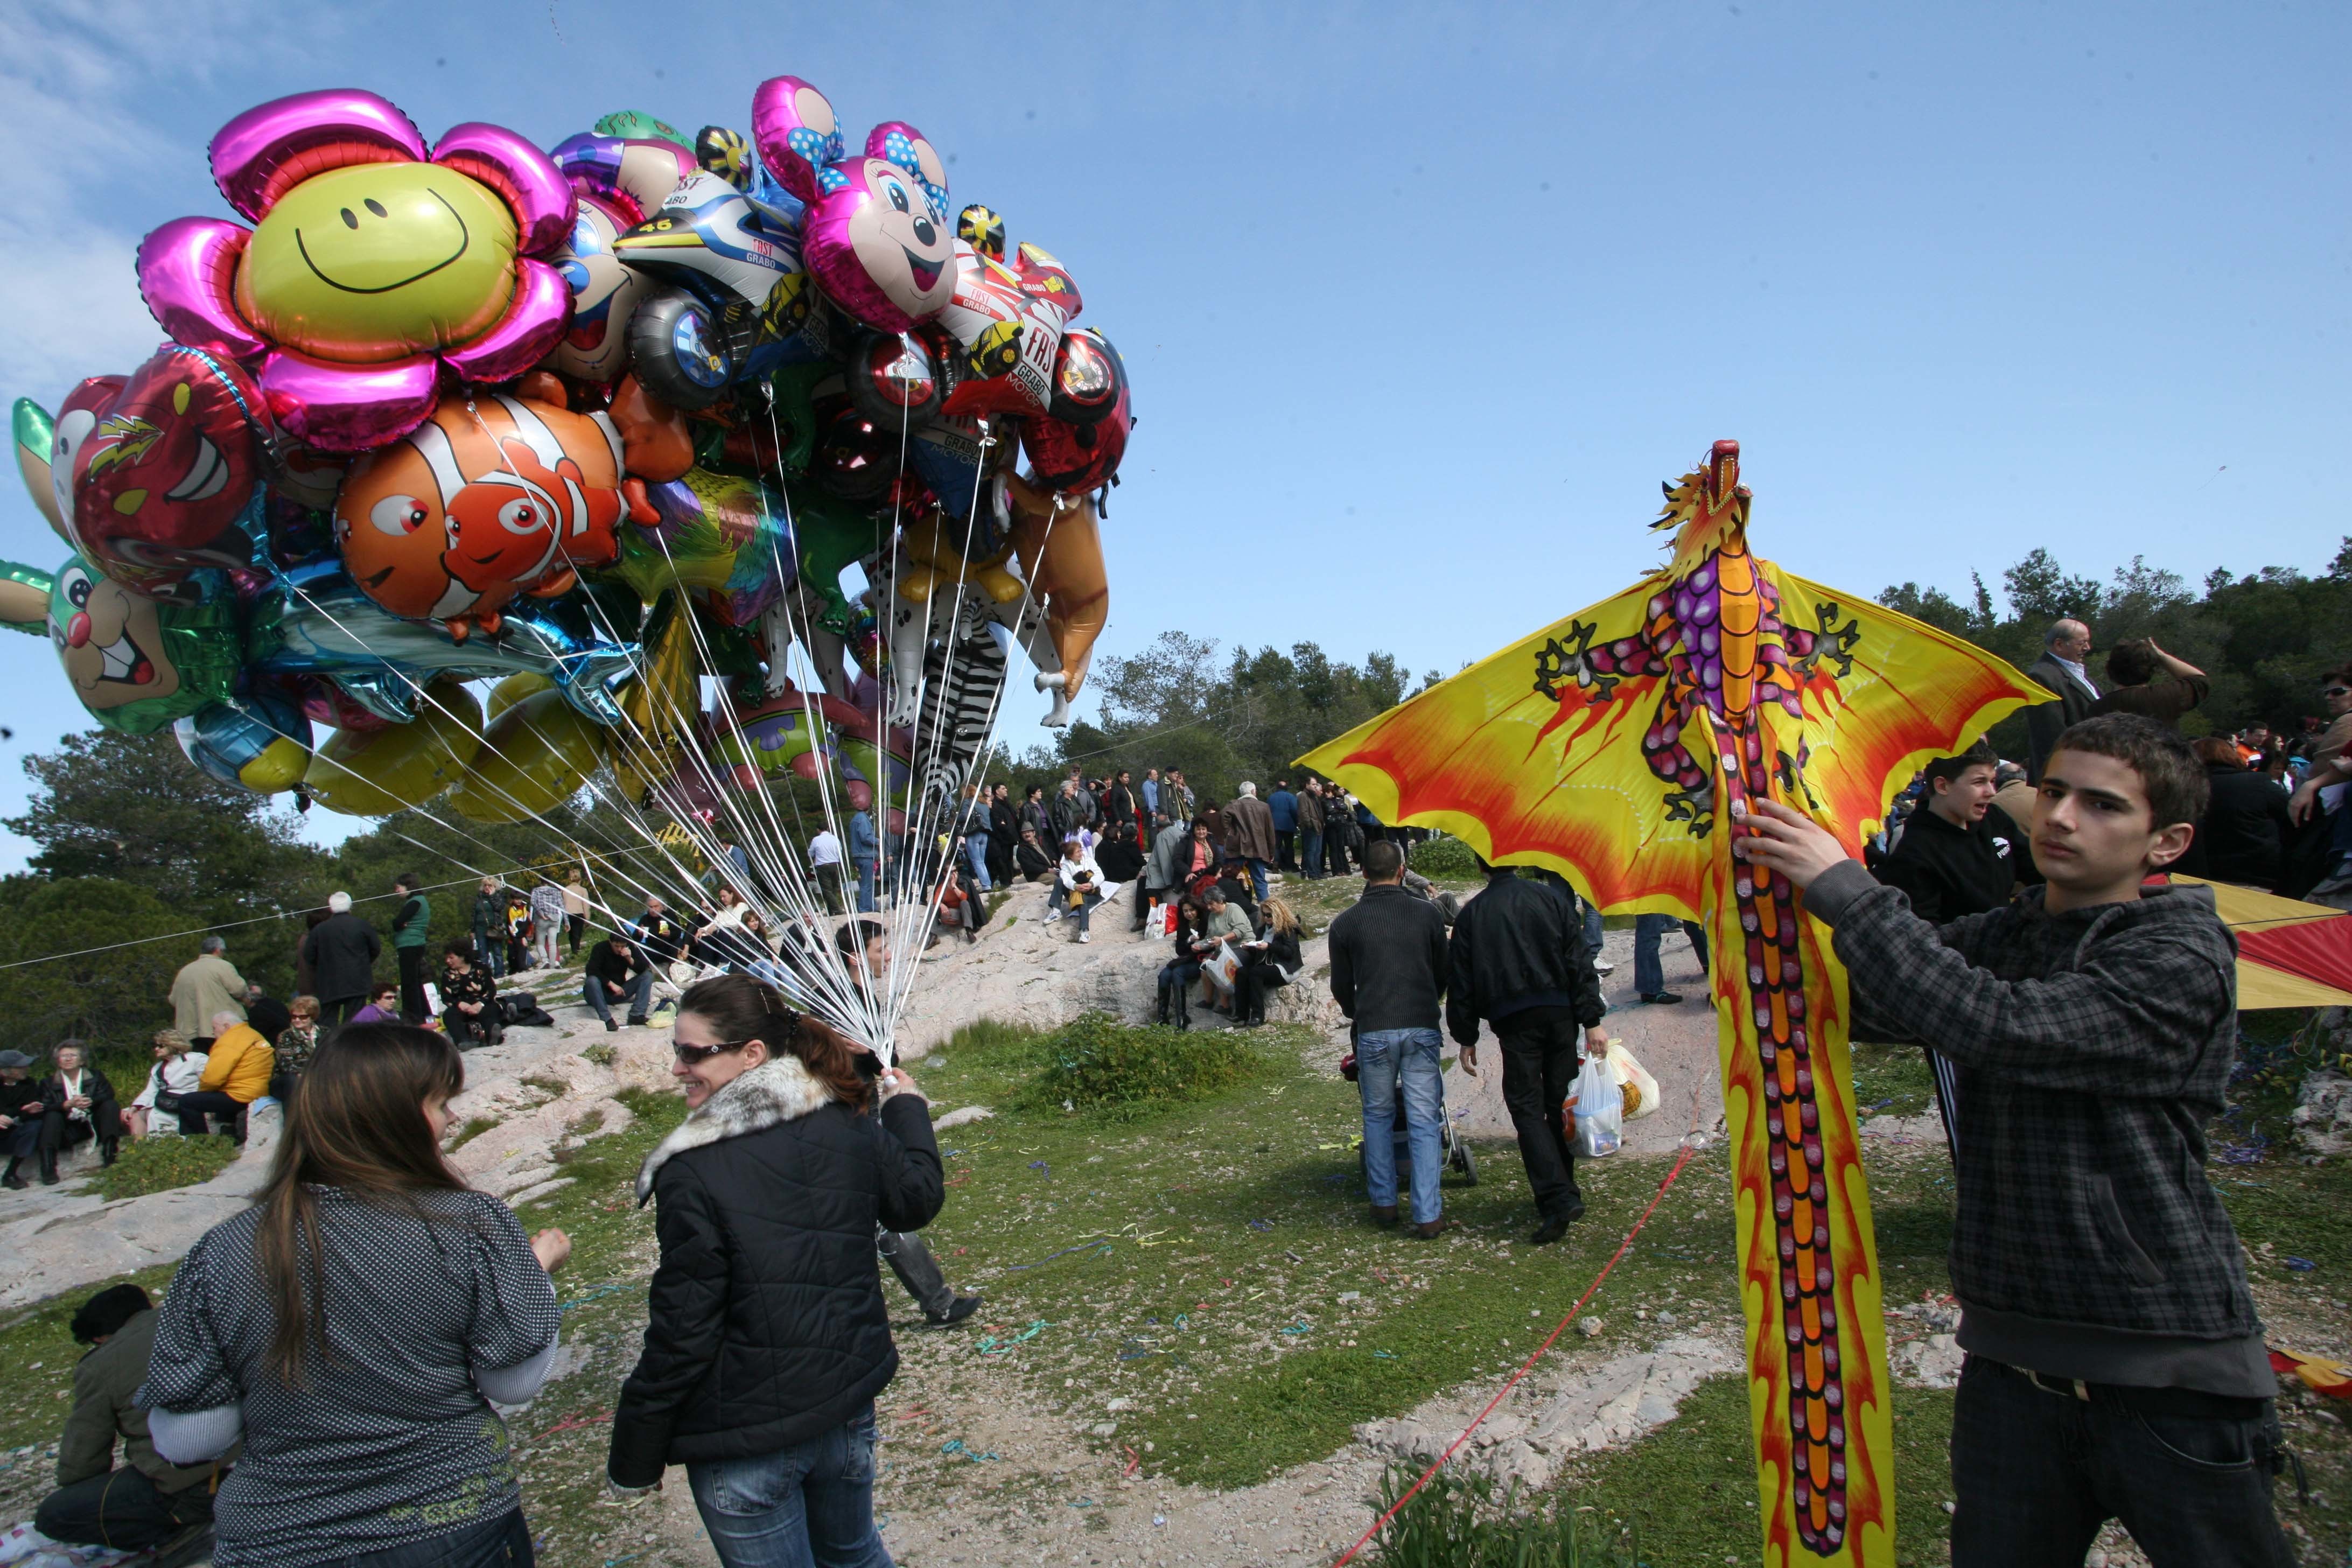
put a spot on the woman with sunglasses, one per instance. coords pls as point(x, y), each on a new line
point(767, 1339)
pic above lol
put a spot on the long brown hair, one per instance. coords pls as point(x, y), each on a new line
point(740, 1008)
point(361, 1128)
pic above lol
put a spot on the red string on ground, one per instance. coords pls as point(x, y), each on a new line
point(1525, 1367)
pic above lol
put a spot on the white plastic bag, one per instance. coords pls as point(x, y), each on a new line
point(1600, 1110)
point(1640, 1089)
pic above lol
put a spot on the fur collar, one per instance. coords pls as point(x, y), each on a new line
point(769, 1095)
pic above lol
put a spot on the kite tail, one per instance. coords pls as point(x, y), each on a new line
point(1799, 1254)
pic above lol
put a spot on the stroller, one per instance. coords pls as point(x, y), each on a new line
point(1454, 1150)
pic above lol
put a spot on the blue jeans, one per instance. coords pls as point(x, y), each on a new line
point(866, 887)
point(1648, 974)
point(1311, 853)
point(975, 854)
point(500, 1542)
point(1593, 929)
point(1257, 879)
point(638, 993)
point(808, 1505)
point(1382, 1055)
point(490, 951)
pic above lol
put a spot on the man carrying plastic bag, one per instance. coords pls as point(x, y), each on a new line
point(1517, 960)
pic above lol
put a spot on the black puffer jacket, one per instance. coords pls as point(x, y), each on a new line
point(1518, 945)
point(766, 1323)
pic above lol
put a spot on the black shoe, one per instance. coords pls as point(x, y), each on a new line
point(612, 1028)
point(1663, 998)
point(965, 1306)
point(12, 1179)
point(636, 1018)
point(48, 1171)
point(106, 1153)
point(1556, 1226)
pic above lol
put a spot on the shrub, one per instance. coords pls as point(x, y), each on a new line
point(1444, 857)
point(1124, 1073)
point(1459, 1521)
point(157, 1165)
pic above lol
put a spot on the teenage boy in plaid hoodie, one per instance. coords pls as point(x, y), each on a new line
point(2116, 1366)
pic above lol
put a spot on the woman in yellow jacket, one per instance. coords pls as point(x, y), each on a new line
point(236, 1075)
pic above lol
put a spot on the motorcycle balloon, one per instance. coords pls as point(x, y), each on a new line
point(401, 765)
point(679, 351)
point(533, 760)
point(259, 743)
point(1089, 378)
point(892, 381)
point(1074, 458)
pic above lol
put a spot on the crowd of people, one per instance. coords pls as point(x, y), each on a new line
point(317, 1387)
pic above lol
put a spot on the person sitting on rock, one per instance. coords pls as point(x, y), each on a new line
point(236, 1073)
point(469, 998)
point(177, 1071)
point(1192, 947)
point(1079, 887)
point(20, 1115)
point(1030, 861)
point(77, 1105)
point(1268, 963)
point(617, 972)
point(147, 1500)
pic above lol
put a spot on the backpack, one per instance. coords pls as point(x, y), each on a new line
point(521, 1007)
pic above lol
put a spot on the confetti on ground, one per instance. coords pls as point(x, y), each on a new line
point(955, 1445)
point(1101, 1244)
point(991, 1345)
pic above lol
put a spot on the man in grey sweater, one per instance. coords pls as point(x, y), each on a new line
point(2116, 1366)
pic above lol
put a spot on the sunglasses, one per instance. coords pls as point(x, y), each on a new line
point(2335, 691)
point(694, 1055)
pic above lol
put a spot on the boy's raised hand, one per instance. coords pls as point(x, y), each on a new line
point(1787, 841)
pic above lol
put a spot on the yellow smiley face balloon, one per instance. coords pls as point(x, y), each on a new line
point(380, 261)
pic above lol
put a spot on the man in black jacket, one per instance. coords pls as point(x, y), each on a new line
point(2061, 668)
point(1959, 854)
point(659, 932)
point(617, 972)
point(342, 951)
point(2115, 1364)
point(1519, 961)
point(1387, 975)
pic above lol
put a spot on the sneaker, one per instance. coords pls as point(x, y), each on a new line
point(1663, 998)
point(1603, 966)
point(1085, 936)
point(965, 1306)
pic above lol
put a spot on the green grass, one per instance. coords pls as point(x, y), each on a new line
point(1464, 1521)
point(474, 1128)
point(1097, 1066)
point(155, 1165)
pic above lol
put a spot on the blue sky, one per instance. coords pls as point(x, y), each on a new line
point(1422, 303)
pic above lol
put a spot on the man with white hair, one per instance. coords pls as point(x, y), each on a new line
point(1249, 833)
point(2061, 669)
point(236, 1073)
point(207, 984)
point(342, 951)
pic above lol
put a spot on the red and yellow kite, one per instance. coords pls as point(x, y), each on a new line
point(1621, 748)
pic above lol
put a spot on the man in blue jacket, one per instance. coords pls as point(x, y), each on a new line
point(1284, 807)
point(865, 849)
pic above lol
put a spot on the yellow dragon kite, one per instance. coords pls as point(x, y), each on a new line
point(1621, 748)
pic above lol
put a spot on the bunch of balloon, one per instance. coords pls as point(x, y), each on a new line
point(591, 426)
